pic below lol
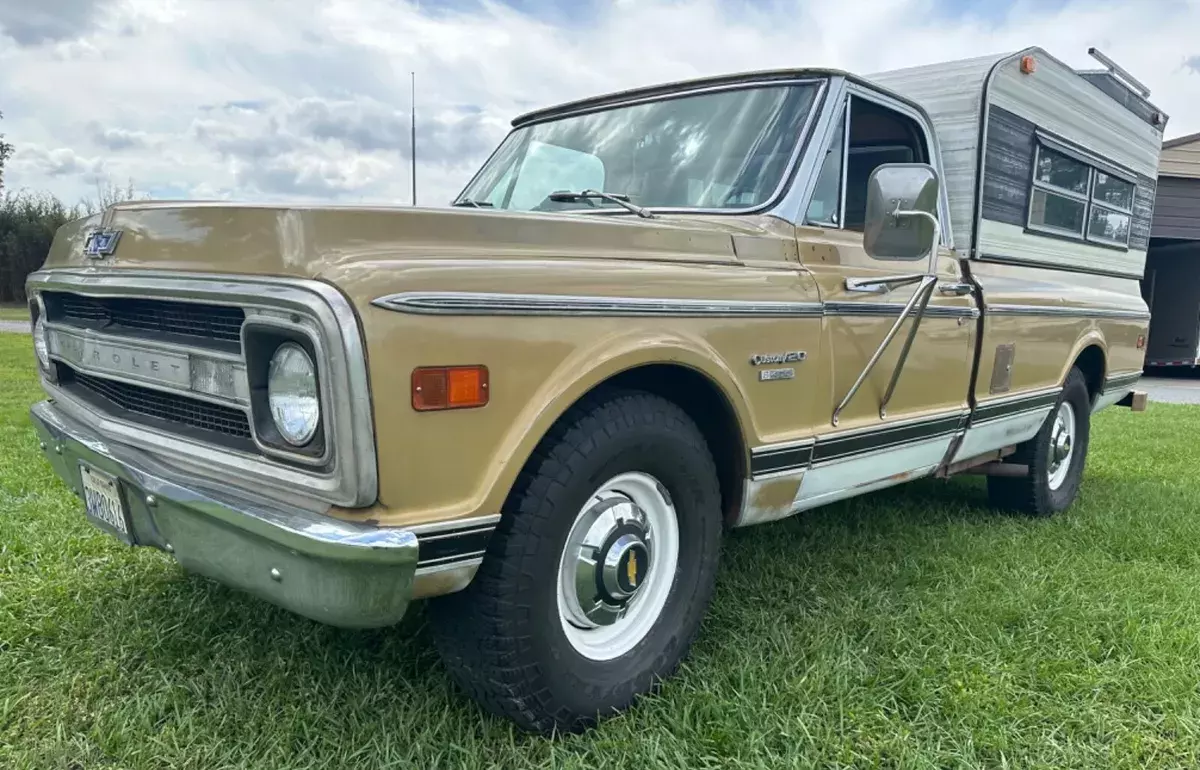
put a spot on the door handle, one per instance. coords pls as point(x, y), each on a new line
point(955, 289)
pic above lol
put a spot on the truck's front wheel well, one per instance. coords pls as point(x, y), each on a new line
point(704, 402)
point(1092, 364)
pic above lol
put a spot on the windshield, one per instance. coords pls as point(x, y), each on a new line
point(727, 149)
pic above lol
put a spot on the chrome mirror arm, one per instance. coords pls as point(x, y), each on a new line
point(915, 307)
point(931, 267)
point(926, 292)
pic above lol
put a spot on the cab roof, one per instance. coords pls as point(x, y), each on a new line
point(663, 90)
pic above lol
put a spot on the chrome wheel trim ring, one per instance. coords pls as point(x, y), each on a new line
point(627, 512)
point(1062, 444)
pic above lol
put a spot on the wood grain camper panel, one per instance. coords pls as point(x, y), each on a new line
point(1008, 174)
point(1143, 212)
point(1008, 167)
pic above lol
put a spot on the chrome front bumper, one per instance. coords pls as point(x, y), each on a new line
point(332, 571)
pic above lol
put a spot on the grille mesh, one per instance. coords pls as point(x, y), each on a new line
point(212, 322)
point(167, 406)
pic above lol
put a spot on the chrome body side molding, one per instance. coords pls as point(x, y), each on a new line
point(487, 303)
point(498, 304)
point(1061, 311)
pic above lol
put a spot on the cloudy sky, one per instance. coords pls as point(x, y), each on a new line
point(308, 99)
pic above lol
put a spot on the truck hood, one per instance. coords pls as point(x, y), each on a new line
point(306, 242)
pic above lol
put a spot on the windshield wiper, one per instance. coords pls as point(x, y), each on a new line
point(620, 199)
point(475, 203)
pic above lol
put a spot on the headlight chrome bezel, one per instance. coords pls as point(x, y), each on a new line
point(261, 339)
point(41, 339)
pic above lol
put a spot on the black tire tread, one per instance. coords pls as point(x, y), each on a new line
point(1029, 494)
point(478, 631)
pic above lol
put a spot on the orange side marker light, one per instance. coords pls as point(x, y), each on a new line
point(436, 388)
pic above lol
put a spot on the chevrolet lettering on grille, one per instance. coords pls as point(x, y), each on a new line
point(184, 372)
point(122, 360)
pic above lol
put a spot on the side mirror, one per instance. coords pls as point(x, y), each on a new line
point(901, 218)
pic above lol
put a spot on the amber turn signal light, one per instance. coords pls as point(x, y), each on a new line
point(449, 387)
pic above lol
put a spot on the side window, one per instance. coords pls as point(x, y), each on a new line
point(878, 135)
point(1060, 193)
point(826, 204)
point(1073, 198)
point(549, 168)
point(1112, 210)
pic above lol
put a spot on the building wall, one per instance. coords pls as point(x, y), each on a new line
point(1181, 160)
point(1177, 208)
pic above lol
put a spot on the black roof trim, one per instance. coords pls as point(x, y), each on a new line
point(670, 89)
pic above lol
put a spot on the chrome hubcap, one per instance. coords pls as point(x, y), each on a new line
point(1062, 444)
point(618, 566)
point(610, 546)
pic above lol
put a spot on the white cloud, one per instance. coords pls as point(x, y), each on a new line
point(57, 162)
point(257, 100)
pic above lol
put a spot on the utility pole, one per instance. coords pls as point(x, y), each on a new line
point(414, 138)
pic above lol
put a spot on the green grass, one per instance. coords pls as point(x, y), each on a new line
point(13, 312)
point(912, 628)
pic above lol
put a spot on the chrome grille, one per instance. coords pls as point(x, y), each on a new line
point(163, 406)
point(147, 356)
point(210, 322)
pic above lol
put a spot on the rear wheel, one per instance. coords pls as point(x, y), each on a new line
point(599, 573)
point(1055, 457)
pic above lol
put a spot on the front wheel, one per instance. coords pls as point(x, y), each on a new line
point(599, 572)
point(1055, 457)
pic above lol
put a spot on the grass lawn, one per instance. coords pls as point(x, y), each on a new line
point(9, 312)
point(912, 628)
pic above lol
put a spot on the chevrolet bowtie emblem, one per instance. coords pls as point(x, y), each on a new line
point(631, 569)
point(101, 243)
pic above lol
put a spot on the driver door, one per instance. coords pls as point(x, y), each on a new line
point(865, 447)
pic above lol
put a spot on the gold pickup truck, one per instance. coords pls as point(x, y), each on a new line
point(649, 318)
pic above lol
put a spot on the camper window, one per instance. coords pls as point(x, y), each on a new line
point(1073, 198)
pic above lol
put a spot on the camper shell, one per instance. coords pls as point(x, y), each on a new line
point(1043, 165)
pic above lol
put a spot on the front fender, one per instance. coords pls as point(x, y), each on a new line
point(449, 465)
point(590, 367)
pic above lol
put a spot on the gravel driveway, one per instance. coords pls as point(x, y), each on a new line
point(19, 327)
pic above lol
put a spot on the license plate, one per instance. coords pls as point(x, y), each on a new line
point(102, 497)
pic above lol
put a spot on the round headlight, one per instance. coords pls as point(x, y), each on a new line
point(40, 345)
point(292, 394)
